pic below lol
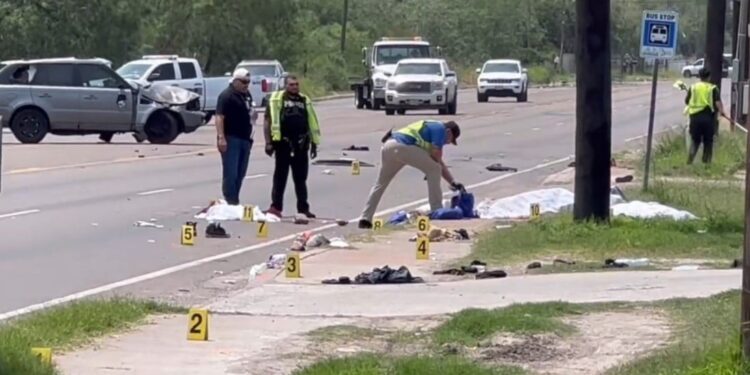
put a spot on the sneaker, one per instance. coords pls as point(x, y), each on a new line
point(365, 224)
point(308, 214)
point(274, 211)
point(216, 231)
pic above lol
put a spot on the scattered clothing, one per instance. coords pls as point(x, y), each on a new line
point(563, 261)
point(496, 274)
point(476, 267)
point(497, 167)
point(317, 240)
point(276, 261)
point(398, 218)
point(624, 179)
point(341, 162)
point(384, 275)
point(447, 214)
point(610, 263)
point(357, 148)
point(534, 265)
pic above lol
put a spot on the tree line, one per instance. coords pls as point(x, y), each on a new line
point(305, 34)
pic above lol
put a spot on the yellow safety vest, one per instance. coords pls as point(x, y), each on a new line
point(275, 108)
point(701, 96)
point(412, 130)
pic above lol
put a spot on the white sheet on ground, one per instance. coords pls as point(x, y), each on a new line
point(550, 201)
point(650, 210)
point(221, 211)
point(557, 200)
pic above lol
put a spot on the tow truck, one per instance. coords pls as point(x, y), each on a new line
point(380, 62)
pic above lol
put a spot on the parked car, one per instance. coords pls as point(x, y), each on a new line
point(502, 78)
point(692, 70)
point(266, 76)
point(176, 71)
point(422, 83)
point(69, 96)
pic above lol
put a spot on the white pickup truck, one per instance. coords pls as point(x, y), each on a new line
point(266, 76)
point(177, 71)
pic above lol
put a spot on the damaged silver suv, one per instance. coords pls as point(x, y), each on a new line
point(70, 96)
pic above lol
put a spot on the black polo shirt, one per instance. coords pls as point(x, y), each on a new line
point(236, 108)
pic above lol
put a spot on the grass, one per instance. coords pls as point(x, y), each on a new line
point(670, 157)
point(470, 327)
point(373, 364)
point(66, 327)
point(706, 340)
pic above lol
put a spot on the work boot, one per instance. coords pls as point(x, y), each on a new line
point(214, 230)
point(365, 224)
point(308, 214)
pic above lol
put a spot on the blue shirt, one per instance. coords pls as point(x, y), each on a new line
point(433, 132)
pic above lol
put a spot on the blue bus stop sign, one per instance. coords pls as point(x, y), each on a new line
point(659, 31)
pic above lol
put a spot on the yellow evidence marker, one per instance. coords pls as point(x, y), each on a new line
point(378, 224)
point(262, 229)
point(197, 325)
point(535, 210)
point(44, 355)
point(188, 235)
point(247, 213)
point(355, 167)
point(423, 247)
point(293, 265)
point(423, 224)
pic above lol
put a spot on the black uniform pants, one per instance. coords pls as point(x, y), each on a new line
point(702, 130)
point(294, 156)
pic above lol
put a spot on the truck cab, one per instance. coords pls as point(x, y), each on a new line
point(380, 62)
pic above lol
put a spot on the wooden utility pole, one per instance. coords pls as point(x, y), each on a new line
point(343, 26)
point(593, 110)
point(716, 12)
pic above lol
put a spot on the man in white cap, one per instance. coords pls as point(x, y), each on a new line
point(234, 133)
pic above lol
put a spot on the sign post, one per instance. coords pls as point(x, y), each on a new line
point(658, 41)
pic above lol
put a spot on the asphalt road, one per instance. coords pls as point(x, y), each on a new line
point(68, 205)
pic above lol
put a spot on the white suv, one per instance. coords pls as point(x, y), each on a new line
point(502, 78)
point(422, 84)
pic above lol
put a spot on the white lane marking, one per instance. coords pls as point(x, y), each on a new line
point(251, 177)
point(198, 262)
point(535, 129)
point(152, 192)
point(19, 213)
point(631, 139)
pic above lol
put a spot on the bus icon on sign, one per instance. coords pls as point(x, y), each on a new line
point(659, 34)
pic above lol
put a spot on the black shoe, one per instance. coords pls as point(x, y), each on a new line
point(216, 231)
point(365, 224)
point(308, 214)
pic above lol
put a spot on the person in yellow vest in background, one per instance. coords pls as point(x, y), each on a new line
point(419, 145)
point(291, 131)
point(703, 103)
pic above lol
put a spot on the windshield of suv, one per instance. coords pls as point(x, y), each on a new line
point(392, 54)
point(260, 70)
point(501, 68)
point(133, 70)
point(429, 69)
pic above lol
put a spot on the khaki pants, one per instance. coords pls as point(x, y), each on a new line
point(393, 157)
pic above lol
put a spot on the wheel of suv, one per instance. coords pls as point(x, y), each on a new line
point(401, 111)
point(524, 96)
point(390, 111)
point(30, 125)
point(162, 128)
point(453, 106)
point(686, 74)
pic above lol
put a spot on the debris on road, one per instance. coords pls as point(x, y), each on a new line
point(497, 167)
point(328, 171)
point(276, 261)
point(219, 210)
point(256, 270)
point(339, 243)
point(151, 241)
point(356, 148)
point(299, 242)
point(341, 162)
point(437, 234)
point(148, 224)
point(384, 275)
point(496, 274)
point(564, 261)
point(686, 267)
point(317, 240)
point(534, 265)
